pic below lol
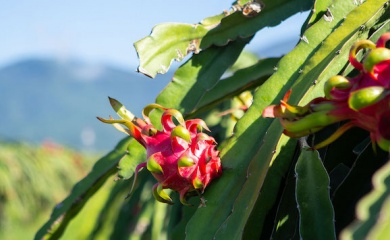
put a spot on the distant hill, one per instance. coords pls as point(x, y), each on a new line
point(45, 99)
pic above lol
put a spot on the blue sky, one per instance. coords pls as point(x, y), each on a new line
point(100, 31)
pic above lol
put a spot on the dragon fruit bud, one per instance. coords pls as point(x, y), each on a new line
point(180, 156)
point(362, 101)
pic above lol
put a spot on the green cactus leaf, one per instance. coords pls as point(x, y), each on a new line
point(252, 132)
point(382, 28)
point(145, 212)
point(158, 224)
point(245, 60)
point(127, 164)
point(333, 52)
point(198, 75)
point(117, 215)
point(237, 25)
point(243, 79)
point(381, 230)
point(312, 193)
point(173, 41)
point(64, 212)
point(279, 167)
point(286, 221)
point(167, 42)
point(179, 216)
point(372, 210)
point(320, 9)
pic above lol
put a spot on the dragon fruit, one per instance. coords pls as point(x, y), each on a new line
point(362, 101)
point(180, 156)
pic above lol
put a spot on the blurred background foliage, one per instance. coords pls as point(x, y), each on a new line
point(34, 178)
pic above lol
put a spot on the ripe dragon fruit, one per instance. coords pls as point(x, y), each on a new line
point(181, 157)
point(362, 101)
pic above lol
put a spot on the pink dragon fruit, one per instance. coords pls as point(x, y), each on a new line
point(362, 101)
point(180, 156)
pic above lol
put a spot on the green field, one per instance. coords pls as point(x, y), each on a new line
point(33, 179)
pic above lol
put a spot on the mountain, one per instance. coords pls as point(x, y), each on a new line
point(50, 100)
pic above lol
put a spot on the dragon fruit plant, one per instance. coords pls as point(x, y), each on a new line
point(180, 156)
point(362, 101)
point(273, 185)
